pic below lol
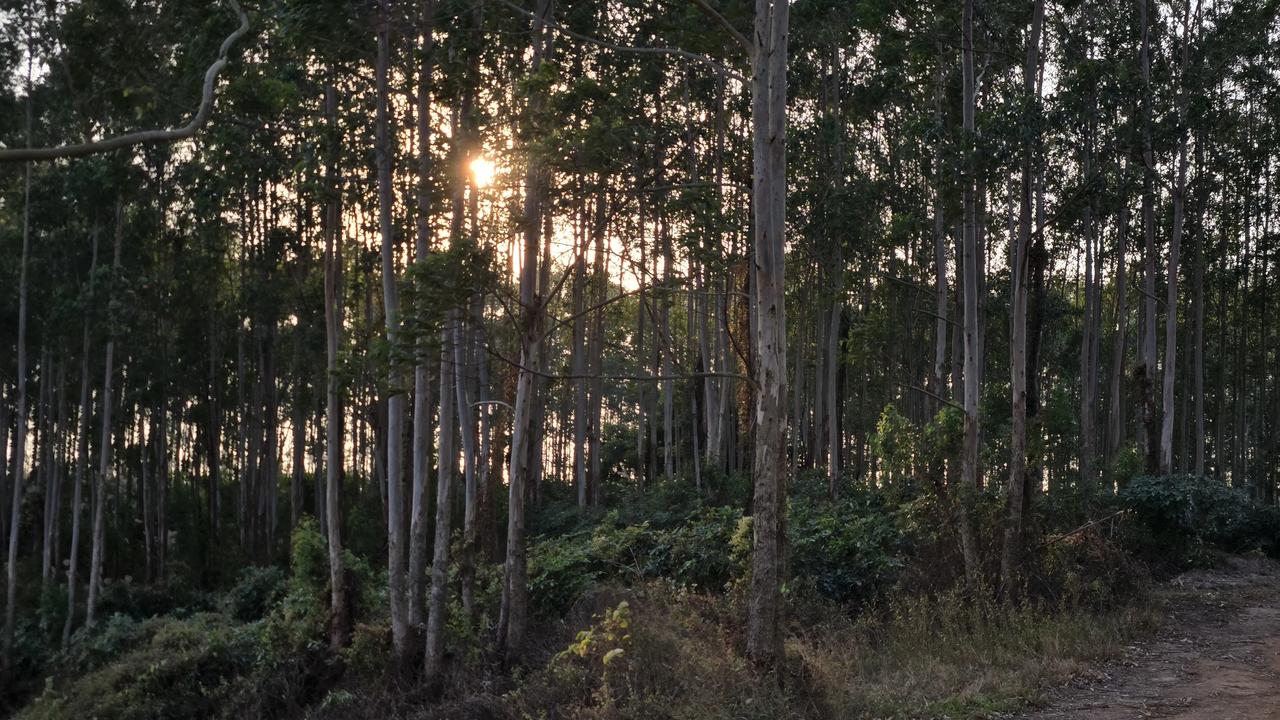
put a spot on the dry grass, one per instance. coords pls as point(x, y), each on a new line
point(953, 657)
point(915, 658)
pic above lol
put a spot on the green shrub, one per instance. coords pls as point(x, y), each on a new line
point(93, 647)
point(255, 593)
point(848, 551)
point(171, 596)
point(560, 569)
point(1180, 516)
point(700, 553)
point(297, 622)
point(187, 669)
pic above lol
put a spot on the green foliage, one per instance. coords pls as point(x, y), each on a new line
point(308, 557)
point(896, 443)
point(848, 551)
point(115, 635)
point(185, 670)
point(297, 622)
point(255, 593)
point(704, 553)
point(1181, 516)
point(605, 641)
point(1125, 466)
point(368, 656)
point(171, 596)
point(695, 554)
point(52, 610)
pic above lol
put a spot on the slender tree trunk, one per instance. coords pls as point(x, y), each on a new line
point(1011, 552)
point(463, 346)
point(299, 423)
point(20, 414)
point(55, 417)
point(147, 435)
point(5, 457)
point(769, 463)
point(444, 510)
point(1148, 437)
point(665, 347)
point(422, 400)
point(578, 364)
point(1198, 435)
point(1175, 248)
point(213, 433)
point(969, 451)
point(595, 349)
point(340, 612)
point(1090, 324)
point(514, 614)
point(394, 435)
point(82, 454)
point(104, 452)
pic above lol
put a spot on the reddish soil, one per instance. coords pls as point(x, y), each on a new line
point(1216, 658)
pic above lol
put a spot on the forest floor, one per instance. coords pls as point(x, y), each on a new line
point(1217, 655)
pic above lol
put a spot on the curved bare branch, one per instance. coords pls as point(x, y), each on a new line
point(145, 136)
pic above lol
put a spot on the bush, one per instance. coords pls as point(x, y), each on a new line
point(698, 553)
point(172, 596)
point(848, 551)
point(186, 670)
point(1180, 516)
point(1087, 570)
point(257, 591)
point(111, 638)
point(702, 552)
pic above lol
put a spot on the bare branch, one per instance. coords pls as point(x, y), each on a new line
point(720, 19)
point(145, 136)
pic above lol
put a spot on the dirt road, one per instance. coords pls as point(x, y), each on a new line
point(1217, 657)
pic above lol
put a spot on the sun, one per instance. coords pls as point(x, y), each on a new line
point(482, 171)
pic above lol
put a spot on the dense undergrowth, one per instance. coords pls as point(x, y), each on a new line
point(640, 609)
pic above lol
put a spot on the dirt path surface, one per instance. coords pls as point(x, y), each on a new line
point(1217, 657)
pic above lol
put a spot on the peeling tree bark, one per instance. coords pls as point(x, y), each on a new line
point(769, 461)
point(972, 353)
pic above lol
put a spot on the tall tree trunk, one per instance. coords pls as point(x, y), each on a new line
point(972, 354)
point(1175, 248)
point(434, 643)
point(1090, 323)
point(5, 457)
point(20, 414)
point(1148, 435)
point(1011, 550)
point(1198, 435)
point(213, 433)
point(514, 614)
point(830, 386)
point(769, 463)
point(394, 435)
point(104, 450)
point(578, 365)
point(339, 610)
point(464, 350)
point(1120, 336)
point(422, 401)
point(595, 349)
point(82, 453)
point(298, 478)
